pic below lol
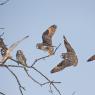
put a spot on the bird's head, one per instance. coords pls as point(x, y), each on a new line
point(19, 51)
point(54, 26)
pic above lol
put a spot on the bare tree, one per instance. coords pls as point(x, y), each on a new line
point(7, 55)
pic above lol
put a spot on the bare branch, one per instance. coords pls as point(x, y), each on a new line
point(41, 84)
point(20, 86)
point(4, 2)
point(25, 71)
point(51, 82)
point(47, 80)
point(36, 60)
point(32, 78)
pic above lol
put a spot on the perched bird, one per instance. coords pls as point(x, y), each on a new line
point(69, 58)
point(91, 58)
point(7, 52)
point(46, 44)
point(21, 58)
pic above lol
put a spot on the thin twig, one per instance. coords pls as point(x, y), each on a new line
point(47, 79)
point(2, 93)
point(32, 78)
point(36, 60)
point(51, 82)
point(27, 72)
point(4, 2)
point(20, 87)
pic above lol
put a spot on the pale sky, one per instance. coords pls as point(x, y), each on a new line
point(75, 19)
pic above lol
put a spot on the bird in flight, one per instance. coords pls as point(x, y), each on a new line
point(7, 54)
point(46, 44)
point(69, 58)
point(91, 58)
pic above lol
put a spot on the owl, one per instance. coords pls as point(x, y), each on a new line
point(21, 58)
point(91, 58)
point(69, 58)
point(46, 44)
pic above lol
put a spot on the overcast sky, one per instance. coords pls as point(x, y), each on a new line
point(75, 19)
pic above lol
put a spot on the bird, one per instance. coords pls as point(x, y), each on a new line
point(92, 58)
point(69, 58)
point(21, 59)
point(7, 51)
point(46, 44)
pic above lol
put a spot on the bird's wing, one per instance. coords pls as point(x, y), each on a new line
point(14, 45)
point(51, 31)
point(48, 34)
point(63, 64)
point(47, 40)
point(67, 45)
point(24, 58)
point(91, 58)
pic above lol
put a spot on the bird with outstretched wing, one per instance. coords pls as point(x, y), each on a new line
point(46, 44)
point(69, 58)
point(7, 55)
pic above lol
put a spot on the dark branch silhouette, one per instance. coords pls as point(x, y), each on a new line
point(19, 84)
point(26, 71)
point(41, 84)
point(47, 80)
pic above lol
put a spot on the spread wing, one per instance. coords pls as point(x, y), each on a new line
point(67, 45)
point(10, 49)
point(91, 58)
point(48, 34)
point(14, 45)
point(63, 64)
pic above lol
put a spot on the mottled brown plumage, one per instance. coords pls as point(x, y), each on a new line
point(69, 57)
point(46, 44)
point(21, 58)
